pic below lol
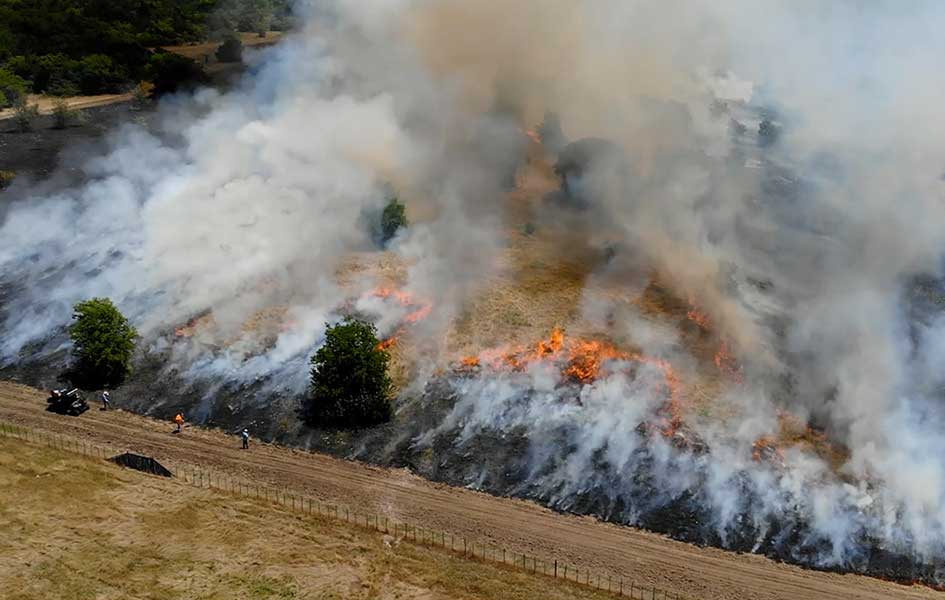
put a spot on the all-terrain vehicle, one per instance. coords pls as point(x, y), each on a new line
point(67, 401)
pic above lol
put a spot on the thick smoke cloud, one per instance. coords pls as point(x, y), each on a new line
point(239, 202)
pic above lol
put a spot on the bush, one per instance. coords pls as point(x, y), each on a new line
point(172, 72)
point(350, 384)
point(62, 114)
point(12, 88)
point(6, 178)
point(103, 341)
point(230, 51)
point(24, 114)
point(140, 96)
point(392, 219)
point(768, 133)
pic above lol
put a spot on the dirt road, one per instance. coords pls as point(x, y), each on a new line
point(704, 573)
point(46, 104)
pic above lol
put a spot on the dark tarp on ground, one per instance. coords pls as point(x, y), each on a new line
point(141, 463)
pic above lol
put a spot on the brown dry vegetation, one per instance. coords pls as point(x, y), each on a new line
point(80, 528)
point(521, 527)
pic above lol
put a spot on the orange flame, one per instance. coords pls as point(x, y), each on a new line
point(766, 447)
point(533, 135)
point(386, 344)
point(422, 308)
point(583, 360)
point(697, 316)
point(728, 364)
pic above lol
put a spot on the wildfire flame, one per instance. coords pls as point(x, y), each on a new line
point(697, 316)
point(795, 432)
point(582, 360)
point(189, 329)
point(533, 135)
point(727, 364)
point(419, 310)
point(766, 447)
point(724, 359)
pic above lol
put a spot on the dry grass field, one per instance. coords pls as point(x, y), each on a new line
point(79, 528)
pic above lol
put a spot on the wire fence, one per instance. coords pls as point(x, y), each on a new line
point(461, 546)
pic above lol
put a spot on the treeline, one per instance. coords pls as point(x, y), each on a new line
point(67, 47)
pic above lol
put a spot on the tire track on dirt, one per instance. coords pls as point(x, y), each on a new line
point(520, 526)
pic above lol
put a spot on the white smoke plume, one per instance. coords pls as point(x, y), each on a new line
point(250, 199)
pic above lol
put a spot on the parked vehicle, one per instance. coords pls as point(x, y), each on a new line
point(67, 401)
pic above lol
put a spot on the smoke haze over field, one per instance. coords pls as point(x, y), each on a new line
point(239, 202)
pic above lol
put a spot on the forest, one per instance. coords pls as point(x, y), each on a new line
point(68, 47)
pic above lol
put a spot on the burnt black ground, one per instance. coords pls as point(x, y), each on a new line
point(47, 157)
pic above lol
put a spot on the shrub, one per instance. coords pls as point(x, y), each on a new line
point(172, 72)
point(103, 341)
point(392, 219)
point(24, 114)
point(768, 133)
point(12, 88)
point(140, 96)
point(230, 51)
point(350, 384)
point(62, 114)
point(6, 178)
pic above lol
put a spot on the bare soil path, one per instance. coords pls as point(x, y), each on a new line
point(46, 104)
point(650, 559)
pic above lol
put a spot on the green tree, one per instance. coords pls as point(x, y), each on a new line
point(103, 342)
point(173, 72)
point(350, 383)
point(230, 51)
point(12, 87)
point(393, 218)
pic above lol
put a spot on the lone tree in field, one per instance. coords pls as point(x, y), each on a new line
point(350, 384)
point(393, 218)
point(103, 341)
point(230, 51)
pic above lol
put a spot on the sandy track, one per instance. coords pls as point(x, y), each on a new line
point(46, 104)
point(520, 526)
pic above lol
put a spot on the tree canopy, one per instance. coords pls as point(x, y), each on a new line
point(92, 46)
point(103, 343)
point(350, 383)
point(393, 218)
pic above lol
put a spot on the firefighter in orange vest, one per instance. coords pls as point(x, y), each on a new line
point(179, 419)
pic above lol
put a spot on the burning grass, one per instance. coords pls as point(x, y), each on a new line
point(582, 361)
point(793, 432)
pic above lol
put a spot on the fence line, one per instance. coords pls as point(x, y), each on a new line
point(462, 546)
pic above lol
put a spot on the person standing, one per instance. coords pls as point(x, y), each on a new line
point(106, 400)
point(245, 435)
point(179, 419)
